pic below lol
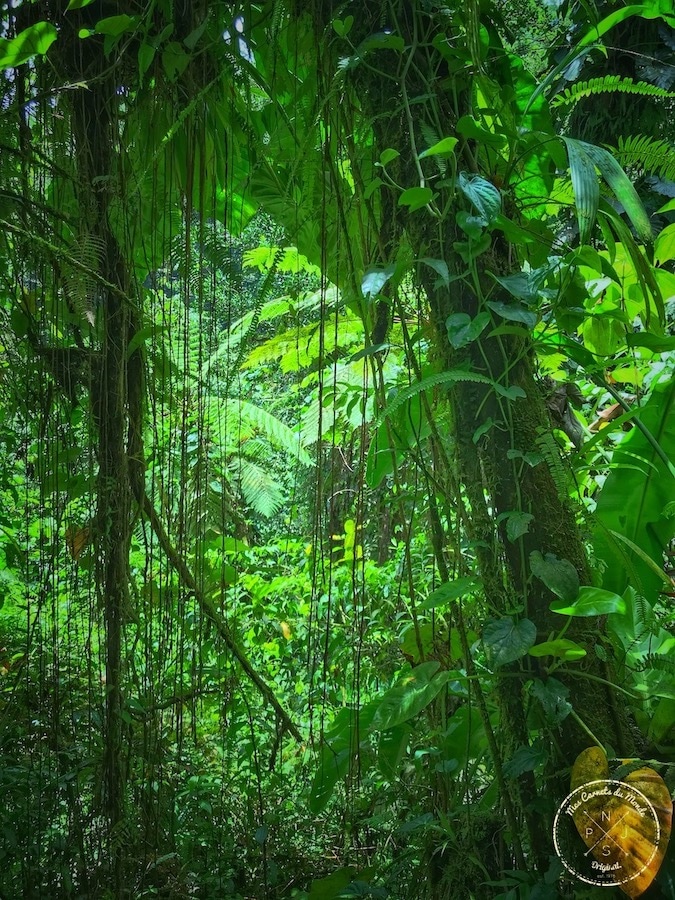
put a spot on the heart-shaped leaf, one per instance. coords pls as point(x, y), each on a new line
point(462, 330)
point(507, 641)
point(559, 575)
point(590, 602)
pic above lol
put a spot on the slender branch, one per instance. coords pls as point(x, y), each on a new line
point(212, 613)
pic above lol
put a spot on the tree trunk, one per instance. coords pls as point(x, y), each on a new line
point(398, 92)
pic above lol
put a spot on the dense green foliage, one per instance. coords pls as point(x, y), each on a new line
point(337, 486)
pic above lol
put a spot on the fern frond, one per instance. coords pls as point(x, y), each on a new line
point(81, 286)
point(608, 84)
point(451, 377)
point(276, 431)
point(550, 450)
point(660, 663)
point(259, 488)
point(651, 155)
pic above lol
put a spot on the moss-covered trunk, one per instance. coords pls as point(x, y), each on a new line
point(400, 91)
point(116, 394)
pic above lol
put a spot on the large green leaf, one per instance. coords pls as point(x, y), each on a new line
point(559, 575)
point(584, 158)
point(338, 749)
point(586, 187)
point(590, 602)
point(411, 696)
point(634, 497)
point(506, 640)
point(33, 41)
point(483, 195)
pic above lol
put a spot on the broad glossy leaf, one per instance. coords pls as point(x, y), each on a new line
point(32, 41)
point(388, 155)
point(443, 148)
point(517, 524)
point(590, 602)
point(333, 886)
point(375, 278)
point(411, 696)
point(451, 590)
point(526, 759)
point(507, 641)
point(468, 127)
point(116, 25)
point(514, 312)
point(440, 266)
point(483, 195)
point(635, 812)
point(562, 648)
point(416, 197)
point(391, 749)
point(462, 329)
point(664, 246)
point(632, 500)
point(552, 695)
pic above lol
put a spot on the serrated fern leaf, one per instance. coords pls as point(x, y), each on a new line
point(259, 488)
point(648, 154)
point(549, 449)
point(276, 431)
point(454, 376)
point(608, 84)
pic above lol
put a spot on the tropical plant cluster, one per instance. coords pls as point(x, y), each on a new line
point(338, 438)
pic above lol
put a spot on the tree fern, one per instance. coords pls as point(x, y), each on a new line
point(240, 420)
point(260, 489)
point(648, 154)
point(276, 431)
point(608, 84)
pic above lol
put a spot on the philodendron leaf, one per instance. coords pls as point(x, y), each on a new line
point(590, 602)
point(483, 195)
point(451, 590)
point(442, 148)
point(559, 575)
point(507, 641)
point(462, 329)
point(552, 695)
point(411, 696)
point(33, 41)
point(517, 524)
point(526, 759)
point(416, 197)
point(514, 312)
point(375, 278)
point(562, 648)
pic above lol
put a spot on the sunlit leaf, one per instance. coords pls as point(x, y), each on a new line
point(561, 648)
point(32, 41)
point(590, 602)
point(443, 148)
point(416, 197)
